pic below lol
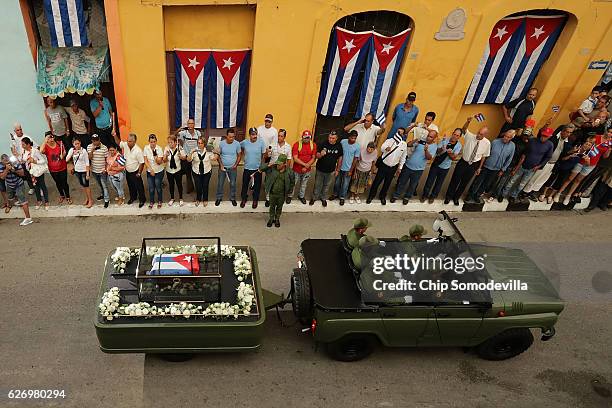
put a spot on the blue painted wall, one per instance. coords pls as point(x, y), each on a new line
point(19, 102)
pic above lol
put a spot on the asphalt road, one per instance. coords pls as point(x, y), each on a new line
point(50, 273)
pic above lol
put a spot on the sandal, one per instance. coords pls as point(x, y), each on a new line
point(159, 205)
point(60, 200)
point(7, 209)
point(69, 201)
point(150, 206)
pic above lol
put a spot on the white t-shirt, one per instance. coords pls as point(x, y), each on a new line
point(277, 150)
point(133, 157)
point(587, 106)
point(195, 161)
point(268, 135)
point(16, 143)
point(420, 132)
point(178, 152)
point(80, 158)
point(365, 136)
point(470, 143)
point(150, 159)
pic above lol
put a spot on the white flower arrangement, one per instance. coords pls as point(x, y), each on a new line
point(110, 307)
point(121, 257)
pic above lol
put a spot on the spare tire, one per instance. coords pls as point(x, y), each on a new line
point(302, 295)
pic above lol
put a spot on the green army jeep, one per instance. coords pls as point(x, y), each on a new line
point(350, 315)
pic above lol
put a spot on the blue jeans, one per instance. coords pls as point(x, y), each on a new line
point(221, 178)
point(301, 179)
point(517, 182)
point(102, 179)
point(322, 183)
point(155, 185)
point(410, 177)
point(434, 181)
point(341, 185)
point(117, 182)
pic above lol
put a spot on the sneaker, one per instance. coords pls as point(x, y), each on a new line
point(171, 203)
point(30, 192)
point(311, 202)
point(351, 200)
point(324, 203)
point(26, 221)
point(181, 203)
point(567, 200)
point(197, 203)
point(46, 206)
point(490, 199)
point(557, 198)
point(140, 205)
point(302, 200)
point(342, 201)
point(38, 205)
point(269, 224)
point(358, 200)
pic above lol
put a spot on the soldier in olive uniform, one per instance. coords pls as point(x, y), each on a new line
point(359, 229)
point(279, 183)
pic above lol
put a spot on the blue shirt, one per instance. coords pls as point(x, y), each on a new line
point(104, 119)
point(446, 163)
point(418, 161)
point(349, 152)
point(537, 153)
point(501, 155)
point(401, 118)
point(12, 179)
point(229, 152)
point(252, 153)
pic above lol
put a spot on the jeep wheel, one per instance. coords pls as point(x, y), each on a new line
point(507, 344)
point(302, 296)
point(351, 348)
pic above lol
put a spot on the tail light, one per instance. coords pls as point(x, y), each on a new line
point(313, 325)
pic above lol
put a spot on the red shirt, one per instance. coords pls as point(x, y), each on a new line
point(305, 155)
point(598, 149)
point(54, 160)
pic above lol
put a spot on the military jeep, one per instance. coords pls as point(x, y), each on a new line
point(350, 316)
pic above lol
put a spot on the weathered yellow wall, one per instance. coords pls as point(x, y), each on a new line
point(289, 42)
point(230, 27)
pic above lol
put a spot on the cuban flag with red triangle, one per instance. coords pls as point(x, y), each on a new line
point(175, 264)
point(345, 58)
point(192, 77)
point(229, 76)
point(382, 67)
point(515, 53)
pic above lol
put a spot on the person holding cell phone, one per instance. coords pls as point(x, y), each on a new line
point(98, 152)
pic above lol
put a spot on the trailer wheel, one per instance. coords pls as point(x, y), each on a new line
point(302, 295)
point(504, 345)
point(353, 347)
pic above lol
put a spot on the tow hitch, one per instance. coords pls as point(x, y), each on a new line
point(548, 334)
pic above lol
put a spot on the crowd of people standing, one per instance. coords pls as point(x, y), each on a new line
point(548, 165)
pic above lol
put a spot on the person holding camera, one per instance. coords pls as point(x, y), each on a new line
point(174, 156)
point(154, 162)
point(201, 166)
point(81, 169)
point(415, 166)
point(188, 137)
point(98, 153)
point(11, 172)
point(36, 164)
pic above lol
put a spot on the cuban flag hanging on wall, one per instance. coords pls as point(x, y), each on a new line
point(381, 70)
point(515, 53)
point(346, 56)
point(229, 76)
point(175, 264)
point(192, 82)
point(67, 23)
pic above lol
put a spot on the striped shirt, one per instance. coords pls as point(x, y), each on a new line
point(12, 179)
point(98, 160)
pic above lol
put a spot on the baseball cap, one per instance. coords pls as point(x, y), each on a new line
point(530, 123)
point(252, 131)
point(362, 223)
point(306, 133)
point(547, 131)
point(269, 117)
point(412, 96)
point(95, 136)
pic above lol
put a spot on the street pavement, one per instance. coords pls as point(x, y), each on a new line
point(51, 271)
